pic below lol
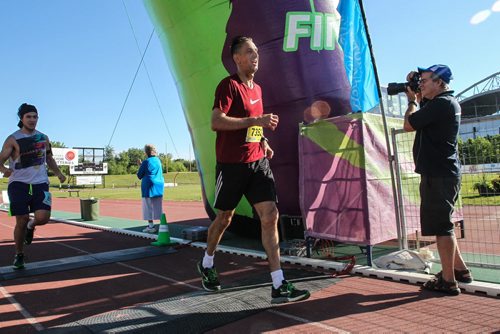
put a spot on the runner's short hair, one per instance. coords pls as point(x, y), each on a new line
point(238, 42)
point(24, 109)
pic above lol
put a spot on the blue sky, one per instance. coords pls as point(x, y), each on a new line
point(75, 60)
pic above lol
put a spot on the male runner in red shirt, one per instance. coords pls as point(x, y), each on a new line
point(242, 154)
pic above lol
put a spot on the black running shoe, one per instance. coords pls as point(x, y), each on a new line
point(288, 293)
point(19, 261)
point(28, 239)
point(209, 279)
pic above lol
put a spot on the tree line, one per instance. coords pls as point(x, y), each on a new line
point(126, 162)
point(480, 150)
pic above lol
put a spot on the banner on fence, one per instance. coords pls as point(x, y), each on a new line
point(315, 63)
point(88, 180)
point(482, 168)
point(89, 169)
point(65, 156)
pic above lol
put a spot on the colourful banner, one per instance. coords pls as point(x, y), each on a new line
point(357, 58)
point(314, 63)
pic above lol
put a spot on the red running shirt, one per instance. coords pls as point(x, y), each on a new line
point(236, 99)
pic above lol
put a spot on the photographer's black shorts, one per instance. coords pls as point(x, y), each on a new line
point(254, 180)
point(438, 197)
point(25, 198)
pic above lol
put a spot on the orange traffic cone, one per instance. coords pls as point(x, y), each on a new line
point(163, 234)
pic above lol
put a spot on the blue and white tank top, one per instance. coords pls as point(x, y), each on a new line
point(29, 166)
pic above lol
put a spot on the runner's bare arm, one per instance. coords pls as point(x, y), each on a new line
point(52, 163)
point(413, 99)
point(268, 151)
point(8, 149)
point(222, 122)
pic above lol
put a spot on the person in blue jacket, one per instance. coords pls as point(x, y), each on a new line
point(152, 184)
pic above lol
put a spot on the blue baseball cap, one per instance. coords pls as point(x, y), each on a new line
point(442, 71)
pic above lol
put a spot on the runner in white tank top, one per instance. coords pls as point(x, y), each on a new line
point(28, 152)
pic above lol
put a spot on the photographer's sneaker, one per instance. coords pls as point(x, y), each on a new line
point(209, 278)
point(150, 230)
point(28, 239)
point(19, 261)
point(288, 293)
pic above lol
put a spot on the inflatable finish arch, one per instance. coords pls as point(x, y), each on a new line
point(314, 59)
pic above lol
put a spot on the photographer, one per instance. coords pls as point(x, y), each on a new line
point(436, 160)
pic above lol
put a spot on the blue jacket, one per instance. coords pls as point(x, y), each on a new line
point(151, 174)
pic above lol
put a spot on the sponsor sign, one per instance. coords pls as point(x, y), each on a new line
point(483, 168)
point(89, 169)
point(65, 156)
point(88, 180)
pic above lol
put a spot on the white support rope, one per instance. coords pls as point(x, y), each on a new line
point(150, 81)
point(130, 88)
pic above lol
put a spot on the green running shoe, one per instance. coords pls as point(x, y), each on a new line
point(209, 278)
point(287, 293)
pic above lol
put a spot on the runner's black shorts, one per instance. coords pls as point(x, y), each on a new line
point(25, 198)
point(438, 196)
point(254, 180)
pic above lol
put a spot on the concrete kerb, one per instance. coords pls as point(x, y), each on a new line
point(482, 288)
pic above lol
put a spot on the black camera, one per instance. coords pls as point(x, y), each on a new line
point(395, 88)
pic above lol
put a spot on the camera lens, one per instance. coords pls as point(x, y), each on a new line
point(395, 88)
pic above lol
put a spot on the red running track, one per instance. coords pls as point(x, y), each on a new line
point(355, 304)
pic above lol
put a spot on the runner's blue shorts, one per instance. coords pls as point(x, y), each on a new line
point(25, 198)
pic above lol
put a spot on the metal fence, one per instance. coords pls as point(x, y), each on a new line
point(477, 214)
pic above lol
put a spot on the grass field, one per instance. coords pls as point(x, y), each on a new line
point(189, 189)
point(470, 196)
point(129, 187)
point(183, 192)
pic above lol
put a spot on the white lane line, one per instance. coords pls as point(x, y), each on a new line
point(33, 321)
point(160, 276)
point(22, 310)
point(19, 307)
point(9, 226)
point(122, 264)
point(309, 322)
point(168, 279)
point(68, 246)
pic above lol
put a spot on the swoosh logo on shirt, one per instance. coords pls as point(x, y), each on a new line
point(254, 101)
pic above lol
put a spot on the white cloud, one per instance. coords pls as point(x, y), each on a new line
point(479, 17)
point(496, 6)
